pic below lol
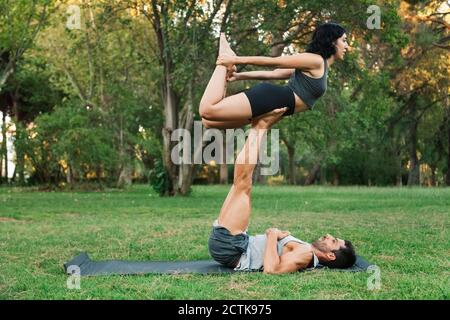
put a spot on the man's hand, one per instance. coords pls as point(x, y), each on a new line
point(280, 234)
point(267, 120)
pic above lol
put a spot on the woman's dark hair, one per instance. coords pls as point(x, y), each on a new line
point(323, 38)
point(345, 257)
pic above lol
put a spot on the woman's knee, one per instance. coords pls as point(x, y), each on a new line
point(206, 111)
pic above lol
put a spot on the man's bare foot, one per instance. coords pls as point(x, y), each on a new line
point(267, 120)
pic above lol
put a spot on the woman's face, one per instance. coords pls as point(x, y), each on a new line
point(341, 47)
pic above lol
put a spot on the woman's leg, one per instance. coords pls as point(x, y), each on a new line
point(225, 124)
point(213, 106)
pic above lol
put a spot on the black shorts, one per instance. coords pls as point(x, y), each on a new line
point(226, 248)
point(265, 97)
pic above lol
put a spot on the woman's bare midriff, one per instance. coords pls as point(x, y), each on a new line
point(300, 106)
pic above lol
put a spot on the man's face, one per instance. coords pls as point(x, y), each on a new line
point(328, 243)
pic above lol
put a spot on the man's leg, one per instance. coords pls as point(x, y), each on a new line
point(236, 209)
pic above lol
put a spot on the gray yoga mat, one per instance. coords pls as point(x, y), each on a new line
point(86, 267)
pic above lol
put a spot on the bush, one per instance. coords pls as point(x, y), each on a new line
point(159, 178)
point(276, 180)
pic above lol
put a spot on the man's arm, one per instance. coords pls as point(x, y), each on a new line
point(273, 263)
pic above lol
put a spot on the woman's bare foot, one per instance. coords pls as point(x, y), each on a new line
point(226, 46)
point(223, 45)
point(225, 49)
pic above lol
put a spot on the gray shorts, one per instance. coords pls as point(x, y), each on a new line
point(226, 248)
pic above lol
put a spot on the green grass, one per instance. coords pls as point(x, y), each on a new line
point(402, 230)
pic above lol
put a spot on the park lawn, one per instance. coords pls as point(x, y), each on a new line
point(404, 231)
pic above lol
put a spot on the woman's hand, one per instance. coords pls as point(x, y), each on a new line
point(226, 60)
point(233, 76)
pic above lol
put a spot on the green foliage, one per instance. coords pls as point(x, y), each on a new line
point(20, 22)
point(71, 138)
point(159, 179)
point(114, 65)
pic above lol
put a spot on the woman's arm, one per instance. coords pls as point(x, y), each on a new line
point(277, 74)
point(304, 61)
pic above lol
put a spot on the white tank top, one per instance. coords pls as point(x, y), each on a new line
point(253, 258)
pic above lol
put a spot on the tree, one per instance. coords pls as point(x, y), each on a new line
point(420, 82)
point(100, 67)
point(20, 22)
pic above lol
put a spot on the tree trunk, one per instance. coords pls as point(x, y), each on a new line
point(69, 178)
point(278, 49)
point(183, 187)
point(180, 179)
point(323, 176)
point(124, 179)
point(6, 73)
point(433, 175)
point(170, 100)
point(4, 147)
point(399, 171)
point(447, 174)
point(13, 177)
point(1, 157)
point(414, 171)
point(20, 156)
point(170, 124)
point(125, 175)
point(98, 173)
point(185, 180)
point(336, 176)
point(258, 177)
point(291, 161)
point(312, 176)
point(19, 142)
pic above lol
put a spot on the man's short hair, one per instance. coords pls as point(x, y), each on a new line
point(345, 257)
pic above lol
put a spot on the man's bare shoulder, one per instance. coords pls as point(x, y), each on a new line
point(303, 255)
